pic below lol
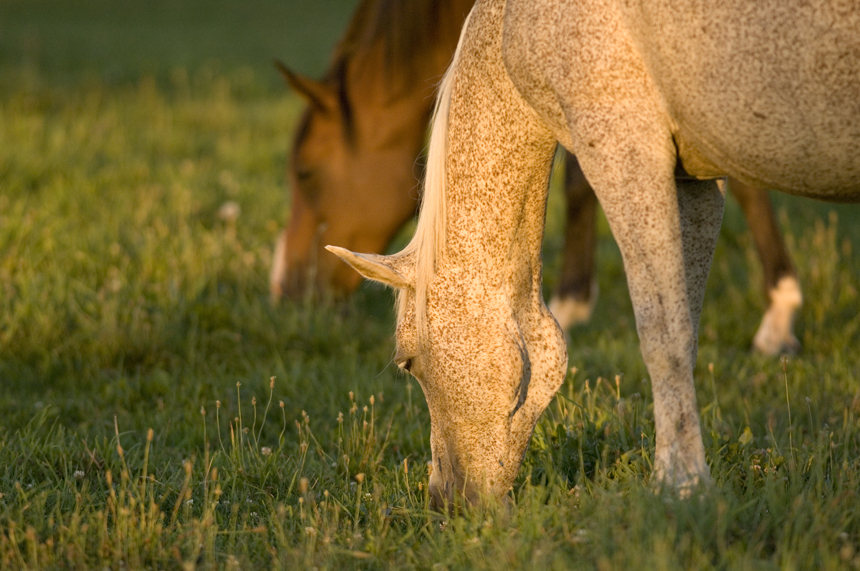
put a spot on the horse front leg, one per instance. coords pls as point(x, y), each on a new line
point(680, 458)
point(775, 335)
point(667, 233)
point(574, 298)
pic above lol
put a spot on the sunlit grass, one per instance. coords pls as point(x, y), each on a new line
point(141, 427)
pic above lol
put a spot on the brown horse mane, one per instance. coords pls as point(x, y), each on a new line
point(410, 32)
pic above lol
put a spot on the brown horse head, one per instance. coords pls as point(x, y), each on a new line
point(347, 176)
point(352, 169)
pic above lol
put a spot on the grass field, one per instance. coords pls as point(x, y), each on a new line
point(157, 412)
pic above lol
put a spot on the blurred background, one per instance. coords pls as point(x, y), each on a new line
point(119, 40)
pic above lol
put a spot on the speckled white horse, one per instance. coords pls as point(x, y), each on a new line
point(654, 98)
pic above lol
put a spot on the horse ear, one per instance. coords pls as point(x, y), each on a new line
point(392, 271)
point(315, 93)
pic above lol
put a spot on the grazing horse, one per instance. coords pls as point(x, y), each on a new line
point(357, 140)
point(657, 100)
point(351, 190)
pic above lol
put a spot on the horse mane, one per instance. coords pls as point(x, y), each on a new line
point(410, 32)
point(427, 245)
point(413, 34)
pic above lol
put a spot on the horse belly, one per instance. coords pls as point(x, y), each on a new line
point(767, 92)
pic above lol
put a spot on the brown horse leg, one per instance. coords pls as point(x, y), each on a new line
point(775, 334)
point(576, 293)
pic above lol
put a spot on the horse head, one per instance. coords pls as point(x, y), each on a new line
point(488, 369)
point(332, 172)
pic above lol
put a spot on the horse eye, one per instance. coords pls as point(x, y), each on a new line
point(303, 175)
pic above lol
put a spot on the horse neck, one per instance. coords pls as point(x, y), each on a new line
point(383, 116)
point(499, 157)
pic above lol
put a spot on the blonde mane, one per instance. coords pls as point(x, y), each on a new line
point(427, 245)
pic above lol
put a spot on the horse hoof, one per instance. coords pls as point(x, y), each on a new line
point(791, 346)
point(776, 346)
point(682, 487)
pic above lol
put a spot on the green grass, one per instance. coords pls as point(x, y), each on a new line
point(127, 303)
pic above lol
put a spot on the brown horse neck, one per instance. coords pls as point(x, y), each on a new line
point(387, 65)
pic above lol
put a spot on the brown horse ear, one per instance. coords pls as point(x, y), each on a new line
point(315, 93)
point(392, 271)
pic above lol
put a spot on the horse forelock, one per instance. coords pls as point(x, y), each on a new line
point(427, 245)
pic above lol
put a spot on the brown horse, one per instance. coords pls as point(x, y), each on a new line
point(352, 166)
point(354, 184)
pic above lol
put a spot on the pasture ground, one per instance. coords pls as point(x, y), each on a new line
point(140, 426)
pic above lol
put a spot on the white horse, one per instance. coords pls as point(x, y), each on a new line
point(656, 99)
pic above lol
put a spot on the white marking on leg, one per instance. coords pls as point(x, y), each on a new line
point(776, 332)
point(279, 268)
point(569, 311)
